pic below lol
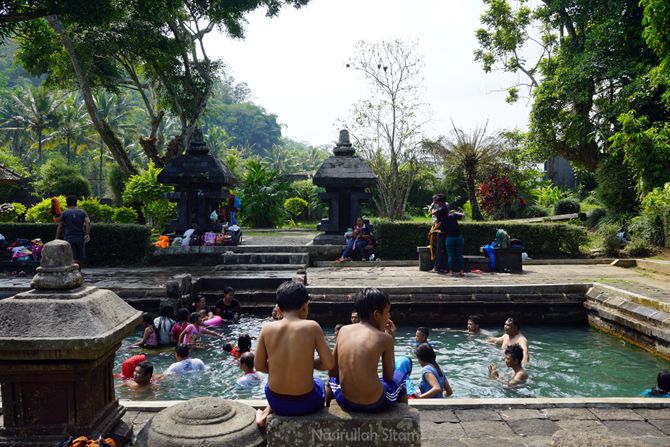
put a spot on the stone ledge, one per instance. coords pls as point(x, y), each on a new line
point(398, 426)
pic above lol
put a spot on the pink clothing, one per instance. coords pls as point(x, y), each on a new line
point(216, 320)
point(192, 335)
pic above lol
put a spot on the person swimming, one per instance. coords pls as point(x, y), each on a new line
point(434, 383)
point(662, 388)
point(513, 359)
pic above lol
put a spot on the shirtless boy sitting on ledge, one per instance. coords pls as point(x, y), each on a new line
point(354, 381)
point(285, 352)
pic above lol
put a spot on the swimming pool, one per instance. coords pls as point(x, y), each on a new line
point(565, 362)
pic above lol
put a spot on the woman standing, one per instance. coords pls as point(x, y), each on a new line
point(454, 242)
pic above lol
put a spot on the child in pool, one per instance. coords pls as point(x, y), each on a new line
point(354, 381)
point(164, 323)
point(662, 388)
point(191, 335)
point(285, 351)
point(434, 383)
point(150, 337)
point(243, 345)
point(250, 378)
point(180, 325)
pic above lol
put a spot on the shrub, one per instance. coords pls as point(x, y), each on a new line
point(616, 188)
point(145, 190)
point(58, 177)
point(566, 206)
point(12, 212)
point(497, 196)
point(595, 216)
point(535, 211)
point(125, 215)
point(97, 212)
point(639, 248)
point(41, 212)
point(295, 206)
point(648, 228)
point(308, 191)
point(611, 244)
point(111, 244)
point(398, 240)
point(262, 191)
point(159, 212)
point(656, 206)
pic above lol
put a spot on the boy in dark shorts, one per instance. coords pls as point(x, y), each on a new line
point(354, 381)
point(285, 352)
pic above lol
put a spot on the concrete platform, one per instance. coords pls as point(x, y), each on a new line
point(514, 422)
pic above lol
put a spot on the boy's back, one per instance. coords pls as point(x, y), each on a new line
point(358, 350)
point(288, 346)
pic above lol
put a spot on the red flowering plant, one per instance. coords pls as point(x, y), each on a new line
point(500, 198)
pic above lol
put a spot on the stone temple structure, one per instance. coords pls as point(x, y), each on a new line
point(57, 346)
point(345, 177)
point(201, 182)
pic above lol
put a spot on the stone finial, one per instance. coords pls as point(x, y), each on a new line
point(202, 421)
point(197, 143)
point(344, 147)
point(57, 270)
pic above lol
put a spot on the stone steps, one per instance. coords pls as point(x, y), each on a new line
point(259, 267)
point(266, 280)
point(275, 258)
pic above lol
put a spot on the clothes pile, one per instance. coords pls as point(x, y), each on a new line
point(25, 250)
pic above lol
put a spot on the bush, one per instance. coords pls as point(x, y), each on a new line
point(58, 177)
point(145, 190)
point(97, 212)
point(111, 244)
point(595, 216)
point(41, 212)
point(12, 212)
point(124, 215)
point(616, 187)
point(262, 191)
point(639, 248)
point(648, 228)
point(398, 240)
point(656, 207)
point(295, 206)
point(535, 211)
point(611, 244)
point(566, 206)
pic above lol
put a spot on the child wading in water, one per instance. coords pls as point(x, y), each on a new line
point(250, 378)
point(191, 335)
point(285, 352)
point(353, 380)
point(150, 337)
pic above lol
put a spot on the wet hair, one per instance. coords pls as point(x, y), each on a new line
point(424, 330)
point(227, 290)
point(291, 295)
point(244, 343)
point(515, 351)
point(515, 322)
point(370, 299)
point(147, 367)
point(71, 200)
point(194, 317)
point(167, 311)
point(663, 381)
point(476, 319)
point(228, 346)
point(247, 359)
point(148, 318)
point(425, 353)
point(182, 350)
point(182, 315)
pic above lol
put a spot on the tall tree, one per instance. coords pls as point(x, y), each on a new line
point(471, 152)
point(387, 127)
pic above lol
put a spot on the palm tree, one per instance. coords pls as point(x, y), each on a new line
point(36, 111)
point(74, 122)
point(472, 152)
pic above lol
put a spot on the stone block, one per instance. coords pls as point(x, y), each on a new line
point(438, 416)
point(662, 424)
point(582, 426)
point(632, 428)
point(616, 414)
point(556, 414)
point(480, 429)
point(653, 413)
point(515, 414)
point(331, 427)
point(533, 427)
point(478, 415)
point(568, 438)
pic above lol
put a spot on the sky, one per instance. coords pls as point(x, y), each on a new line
point(294, 64)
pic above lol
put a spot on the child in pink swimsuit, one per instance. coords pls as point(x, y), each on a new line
point(191, 335)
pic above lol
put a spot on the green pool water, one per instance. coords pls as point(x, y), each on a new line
point(565, 362)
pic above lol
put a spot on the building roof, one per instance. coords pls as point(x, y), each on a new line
point(7, 175)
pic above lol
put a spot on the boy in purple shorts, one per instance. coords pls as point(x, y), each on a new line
point(354, 381)
point(286, 352)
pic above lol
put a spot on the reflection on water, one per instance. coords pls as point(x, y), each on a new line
point(565, 362)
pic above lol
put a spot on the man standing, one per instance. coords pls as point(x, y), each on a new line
point(512, 336)
point(75, 228)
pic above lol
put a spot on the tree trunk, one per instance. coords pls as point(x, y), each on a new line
point(476, 214)
point(101, 126)
point(39, 147)
point(102, 148)
point(149, 145)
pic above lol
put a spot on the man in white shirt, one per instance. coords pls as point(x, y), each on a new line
point(184, 364)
